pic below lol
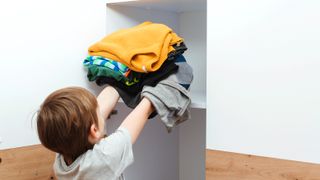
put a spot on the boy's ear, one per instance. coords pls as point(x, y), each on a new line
point(94, 134)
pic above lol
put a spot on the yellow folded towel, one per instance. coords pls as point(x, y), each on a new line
point(143, 48)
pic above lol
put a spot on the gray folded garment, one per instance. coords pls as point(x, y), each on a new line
point(170, 100)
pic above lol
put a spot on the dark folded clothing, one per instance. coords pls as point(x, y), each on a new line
point(179, 50)
point(131, 94)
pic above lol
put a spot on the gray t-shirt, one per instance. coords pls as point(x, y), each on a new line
point(106, 161)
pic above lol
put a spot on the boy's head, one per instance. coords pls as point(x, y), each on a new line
point(69, 122)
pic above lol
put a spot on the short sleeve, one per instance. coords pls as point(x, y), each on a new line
point(117, 150)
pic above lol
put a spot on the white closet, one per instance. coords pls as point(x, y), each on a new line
point(185, 147)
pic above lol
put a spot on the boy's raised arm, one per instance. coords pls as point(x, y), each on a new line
point(138, 117)
point(107, 100)
point(135, 121)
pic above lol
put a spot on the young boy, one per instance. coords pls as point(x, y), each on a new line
point(71, 122)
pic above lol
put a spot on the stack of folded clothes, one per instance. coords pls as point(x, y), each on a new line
point(145, 61)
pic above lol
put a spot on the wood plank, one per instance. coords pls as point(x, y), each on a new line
point(222, 165)
point(30, 162)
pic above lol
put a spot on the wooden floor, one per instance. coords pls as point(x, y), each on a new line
point(222, 165)
point(35, 163)
point(26, 163)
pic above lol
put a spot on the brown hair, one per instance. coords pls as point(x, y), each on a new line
point(64, 121)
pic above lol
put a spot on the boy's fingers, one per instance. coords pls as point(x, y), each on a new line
point(113, 112)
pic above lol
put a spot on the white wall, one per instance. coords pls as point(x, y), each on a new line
point(119, 17)
point(42, 47)
point(193, 27)
point(263, 65)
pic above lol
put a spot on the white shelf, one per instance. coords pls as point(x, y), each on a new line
point(198, 100)
point(164, 5)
